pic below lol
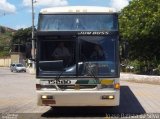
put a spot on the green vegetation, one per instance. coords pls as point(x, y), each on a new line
point(22, 36)
point(9, 37)
point(140, 28)
point(5, 42)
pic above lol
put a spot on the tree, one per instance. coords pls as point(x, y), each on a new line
point(5, 38)
point(21, 41)
point(2, 30)
point(140, 27)
point(22, 36)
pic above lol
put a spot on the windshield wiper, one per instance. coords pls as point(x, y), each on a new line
point(57, 79)
point(59, 76)
point(90, 70)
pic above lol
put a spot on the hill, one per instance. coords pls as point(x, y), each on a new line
point(5, 40)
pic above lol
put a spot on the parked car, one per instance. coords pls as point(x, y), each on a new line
point(17, 67)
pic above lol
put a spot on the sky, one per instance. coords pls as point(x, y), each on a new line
point(17, 14)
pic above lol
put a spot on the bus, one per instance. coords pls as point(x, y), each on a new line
point(86, 71)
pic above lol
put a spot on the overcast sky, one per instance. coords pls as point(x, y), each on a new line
point(17, 13)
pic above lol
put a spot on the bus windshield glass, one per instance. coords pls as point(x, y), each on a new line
point(91, 56)
point(69, 22)
point(97, 56)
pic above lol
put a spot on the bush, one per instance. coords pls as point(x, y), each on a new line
point(4, 54)
point(141, 67)
point(156, 71)
point(135, 66)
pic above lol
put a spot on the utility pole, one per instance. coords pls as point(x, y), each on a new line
point(33, 40)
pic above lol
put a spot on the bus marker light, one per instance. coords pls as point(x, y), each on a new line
point(77, 10)
point(117, 86)
point(110, 10)
point(85, 10)
point(70, 10)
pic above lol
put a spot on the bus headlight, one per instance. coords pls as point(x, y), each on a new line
point(47, 97)
point(107, 97)
point(44, 97)
point(111, 97)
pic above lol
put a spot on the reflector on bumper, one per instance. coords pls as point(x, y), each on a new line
point(106, 82)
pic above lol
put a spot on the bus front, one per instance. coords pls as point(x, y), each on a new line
point(78, 57)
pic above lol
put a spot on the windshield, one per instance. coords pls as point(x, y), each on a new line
point(80, 56)
point(98, 55)
point(88, 22)
point(19, 65)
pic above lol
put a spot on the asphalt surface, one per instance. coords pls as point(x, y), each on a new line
point(18, 101)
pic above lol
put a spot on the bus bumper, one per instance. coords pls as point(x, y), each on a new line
point(78, 98)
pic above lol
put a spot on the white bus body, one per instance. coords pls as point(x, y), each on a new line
point(66, 91)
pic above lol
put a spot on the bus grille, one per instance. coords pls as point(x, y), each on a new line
point(69, 86)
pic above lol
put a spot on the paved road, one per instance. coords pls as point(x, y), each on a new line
point(17, 96)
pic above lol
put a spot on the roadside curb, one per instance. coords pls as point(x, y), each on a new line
point(4, 67)
point(140, 78)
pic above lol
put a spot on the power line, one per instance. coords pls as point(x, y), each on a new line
point(3, 13)
point(22, 8)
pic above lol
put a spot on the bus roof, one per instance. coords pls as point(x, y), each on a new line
point(77, 9)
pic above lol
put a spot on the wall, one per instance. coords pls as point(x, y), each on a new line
point(17, 57)
point(5, 62)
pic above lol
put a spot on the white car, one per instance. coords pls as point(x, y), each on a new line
point(17, 67)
